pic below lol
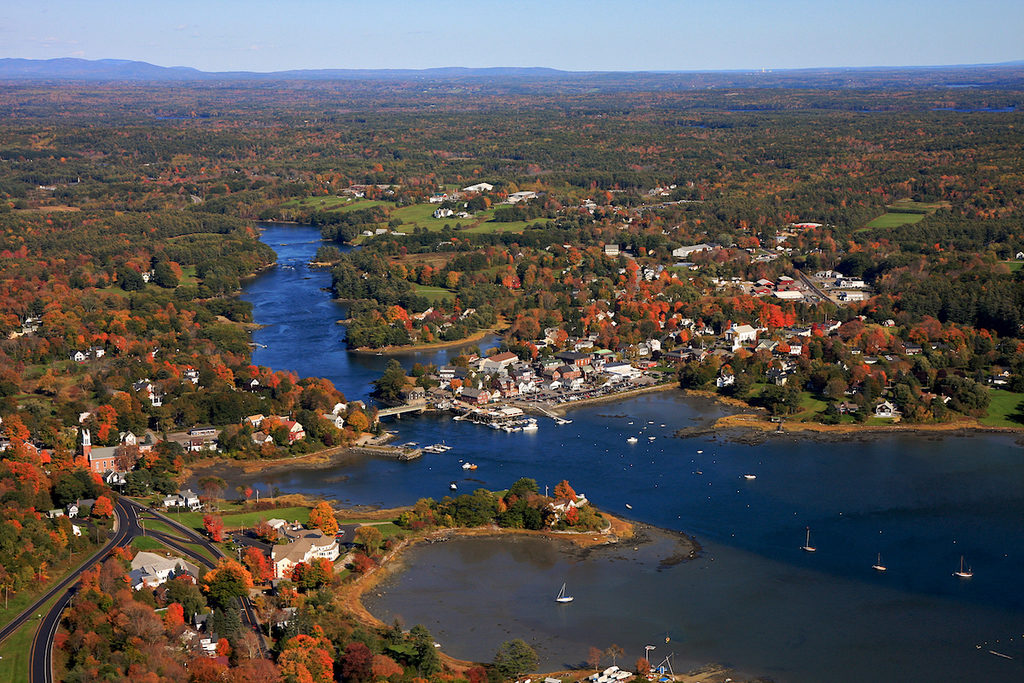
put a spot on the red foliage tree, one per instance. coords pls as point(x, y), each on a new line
point(102, 507)
point(214, 526)
point(258, 564)
point(356, 662)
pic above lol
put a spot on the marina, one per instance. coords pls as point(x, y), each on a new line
point(752, 598)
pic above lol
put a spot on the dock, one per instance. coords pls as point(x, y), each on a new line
point(397, 452)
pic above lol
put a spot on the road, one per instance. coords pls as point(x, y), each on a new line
point(129, 524)
point(40, 661)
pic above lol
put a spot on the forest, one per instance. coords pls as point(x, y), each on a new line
point(129, 220)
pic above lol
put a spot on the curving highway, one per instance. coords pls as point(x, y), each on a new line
point(128, 525)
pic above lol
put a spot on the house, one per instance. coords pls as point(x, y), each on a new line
point(191, 374)
point(479, 187)
point(574, 358)
point(738, 334)
point(79, 356)
point(150, 569)
point(498, 362)
point(478, 396)
point(337, 420)
point(255, 420)
point(683, 252)
point(414, 394)
point(304, 545)
point(611, 250)
point(296, 432)
point(185, 498)
point(846, 408)
point(443, 212)
point(886, 409)
point(725, 379)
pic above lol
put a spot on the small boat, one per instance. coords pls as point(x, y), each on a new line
point(807, 547)
point(468, 466)
point(453, 486)
point(750, 477)
point(651, 438)
point(878, 566)
point(530, 426)
point(562, 597)
point(632, 439)
point(699, 452)
point(628, 506)
point(963, 573)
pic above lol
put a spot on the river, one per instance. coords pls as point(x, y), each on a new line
point(752, 599)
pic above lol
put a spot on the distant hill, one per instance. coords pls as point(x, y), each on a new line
point(1009, 75)
point(127, 70)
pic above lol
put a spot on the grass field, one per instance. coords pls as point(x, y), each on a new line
point(147, 543)
point(15, 651)
point(809, 407)
point(433, 294)
point(1014, 266)
point(235, 520)
point(906, 212)
point(895, 220)
point(1005, 409)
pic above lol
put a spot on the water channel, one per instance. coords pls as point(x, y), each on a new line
point(752, 599)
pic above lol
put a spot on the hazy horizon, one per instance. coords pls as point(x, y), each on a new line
point(570, 35)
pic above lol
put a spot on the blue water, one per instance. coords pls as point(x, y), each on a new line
point(753, 599)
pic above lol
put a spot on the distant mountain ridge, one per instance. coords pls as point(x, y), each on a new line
point(123, 69)
point(69, 68)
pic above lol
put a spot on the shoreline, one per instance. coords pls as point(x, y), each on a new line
point(413, 348)
point(394, 562)
point(561, 408)
point(755, 426)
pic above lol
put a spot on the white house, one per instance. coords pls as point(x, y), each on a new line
point(151, 570)
point(683, 252)
point(305, 545)
point(738, 334)
point(525, 195)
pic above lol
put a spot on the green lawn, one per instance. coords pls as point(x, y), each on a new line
point(809, 407)
point(147, 543)
point(235, 520)
point(895, 220)
point(331, 203)
point(1005, 409)
point(1014, 266)
point(434, 294)
point(15, 651)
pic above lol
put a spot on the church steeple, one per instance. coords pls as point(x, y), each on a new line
point(86, 443)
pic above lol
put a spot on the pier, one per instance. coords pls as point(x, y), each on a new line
point(397, 452)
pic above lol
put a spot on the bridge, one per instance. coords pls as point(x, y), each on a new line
point(398, 411)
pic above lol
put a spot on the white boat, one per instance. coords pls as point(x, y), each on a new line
point(632, 439)
point(963, 573)
point(453, 486)
point(530, 426)
point(651, 438)
point(699, 452)
point(878, 566)
point(750, 477)
point(562, 597)
point(468, 466)
point(628, 506)
point(807, 547)
point(510, 428)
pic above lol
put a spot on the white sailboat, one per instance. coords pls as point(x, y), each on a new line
point(963, 573)
point(632, 439)
point(807, 547)
point(878, 566)
point(562, 597)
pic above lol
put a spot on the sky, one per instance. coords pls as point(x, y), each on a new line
point(576, 35)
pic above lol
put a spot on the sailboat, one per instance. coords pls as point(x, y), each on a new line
point(878, 566)
point(807, 547)
point(562, 597)
point(963, 574)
